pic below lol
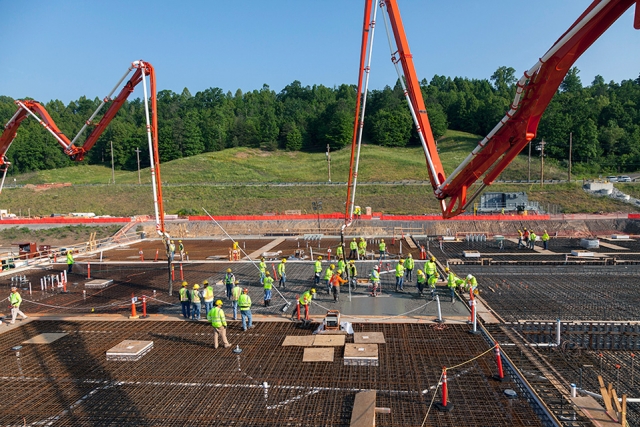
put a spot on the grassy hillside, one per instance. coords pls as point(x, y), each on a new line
point(189, 182)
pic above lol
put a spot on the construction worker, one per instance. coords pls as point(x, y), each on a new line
point(235, 252)
point(181, 250)
point(70, 260)
point(353, 274)
point(327, 276)
point(375, 280)
point(532, 240)
point(452, 282)
point(172, 250)
point(207, 296)
point(421, 280)
point(520, 244)
point(15, 300)
point(383, 249)
point(545, 240)
point(317, 269)
point(268, 285)
point(353, 249)
point(282, 273)
point(235, 297)
point(219, 323)
point(400, 275)
point(185, 300)
point(196, 302)
point(341, 265)
point(430, 268)
point(357, 212)
point(336, 281)
point(340, 250)
point(431, 281)
point(305, 299)
point(525, 237)
point(471, 283)
point(362, 248)
point(244, 301)
point(262, 266)
point(409, 263)
point(229, 280)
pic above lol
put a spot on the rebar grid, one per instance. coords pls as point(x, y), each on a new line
point(184, 381)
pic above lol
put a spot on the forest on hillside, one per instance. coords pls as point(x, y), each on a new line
point(603, 118)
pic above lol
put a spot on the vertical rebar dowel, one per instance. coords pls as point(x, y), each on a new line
point(439, 319)
point(100, 256)
point(311, 253)
point(632, 359)
point(558, 328)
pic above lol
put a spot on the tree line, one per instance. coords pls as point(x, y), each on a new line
point(603, 119)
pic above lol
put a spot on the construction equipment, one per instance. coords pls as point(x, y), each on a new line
point(332, 320)
point(77, 153)
point(518, 127)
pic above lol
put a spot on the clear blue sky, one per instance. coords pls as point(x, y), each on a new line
point(55, 49)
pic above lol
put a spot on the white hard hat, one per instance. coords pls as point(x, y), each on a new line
point(469, 276)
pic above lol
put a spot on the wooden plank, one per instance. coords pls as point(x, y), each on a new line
point(368, 338)
point(623, 413)
point(314, 354)
point(594, 411)
point(298, 340)
point(361, 351)
point(363, 413)
point(329, 340)
point(409, 241)
point(45, 338)
point(607, 399)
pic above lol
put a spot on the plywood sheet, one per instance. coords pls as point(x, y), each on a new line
point(98, 284)
point(46, 338)
point(361, 351)
point(316, 354)
point(368, 338)
point(298, 340)
point(363, 413)
point(329, 340)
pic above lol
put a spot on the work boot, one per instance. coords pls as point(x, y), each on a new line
point(264, 302)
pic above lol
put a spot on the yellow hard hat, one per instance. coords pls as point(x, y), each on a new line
point(179, 241)
point(261, 258)
point(284, 260)
point(401, 260)
point(433, 258)
point(382, 240)
point(352, 262)
point(266, 273)
point(362, 238)
point(354, 238)
point(410, 256)
point(185, 284)
point(206, 282)
point(319, 257)
point(332, 266)
point(339, 271)
point(228, 270)
point(218, 302)
point(313, 291)
point(446, 269)
point(419, 271)
point(196, 286)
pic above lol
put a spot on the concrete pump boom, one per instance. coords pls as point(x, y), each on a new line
point(519, 126)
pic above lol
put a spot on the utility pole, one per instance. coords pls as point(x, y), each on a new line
point(541, 148)
point(328, 153)
point(138, 156)
point(113, 172)
point(570, 144)
point(529, 175)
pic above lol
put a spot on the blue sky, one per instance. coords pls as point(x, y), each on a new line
point(59, 49)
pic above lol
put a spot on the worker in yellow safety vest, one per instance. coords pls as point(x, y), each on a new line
point(185, 300)
point(235, 297)
point(353, 249)
point(340, 250)
point(207, 296)
point(263, 268)
point(400, 276)
point(219, 323)
point(304, 301)
point(317, 269)
point(421, 280)
point(382, 247)
point(545, 240)
point(532, 240)
point(353, 274)
point(15, 300)
point(282, 272)
point(244, 301)
point(327, 277)
point(268, 285)
point(375, 280)
point(70, 261)
point(196, 302)
point(409, 263)
point(430, 268)
point(362, 248)
point(452, 282)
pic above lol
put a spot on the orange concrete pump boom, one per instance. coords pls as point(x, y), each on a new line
point(77, 153)
point(519, 126)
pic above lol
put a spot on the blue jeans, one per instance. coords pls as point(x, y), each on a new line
point(383, 254)
point(246, 314)
point(195, 311)
point(399, 282)
point(186, 309)
point(208, 306)
point(452, 292)
point(229, 287)
point(316, 279)
point(234, 305)
point(262, 276)
point(283, 281)
point(267, 294)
